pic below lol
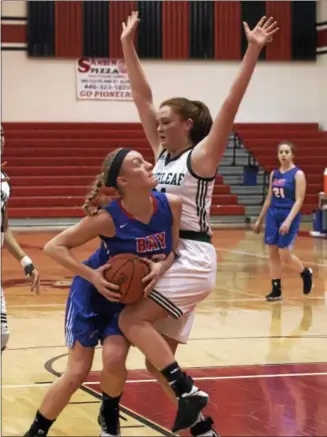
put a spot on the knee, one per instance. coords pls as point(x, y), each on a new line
point(274, 253)
point(76, 376)
point(285, 256)
point(115, 362)
point(127, 320)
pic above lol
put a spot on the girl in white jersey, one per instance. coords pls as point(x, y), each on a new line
point(188, 148)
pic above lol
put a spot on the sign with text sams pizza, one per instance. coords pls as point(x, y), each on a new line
point(102, 79)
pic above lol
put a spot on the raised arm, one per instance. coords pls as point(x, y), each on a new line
point(207, 154)
point(141, 90)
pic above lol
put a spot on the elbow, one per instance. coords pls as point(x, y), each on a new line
point(143, 96)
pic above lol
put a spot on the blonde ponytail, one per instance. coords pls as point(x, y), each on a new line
point(89, 207)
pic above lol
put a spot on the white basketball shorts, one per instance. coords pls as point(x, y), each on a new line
point(189, 280)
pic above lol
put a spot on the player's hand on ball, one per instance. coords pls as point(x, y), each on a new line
point(107, 289)
point(285, 228)
point(151, 279)
point(257, 227)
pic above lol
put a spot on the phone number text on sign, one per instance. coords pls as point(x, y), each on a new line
point(102, 79)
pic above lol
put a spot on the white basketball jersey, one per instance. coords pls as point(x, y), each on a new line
point(176, 176)
point(5, 194)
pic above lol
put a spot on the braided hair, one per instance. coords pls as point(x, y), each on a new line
point(93, 201)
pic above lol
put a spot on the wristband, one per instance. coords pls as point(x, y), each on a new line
point(25, 261)
point(28, 265)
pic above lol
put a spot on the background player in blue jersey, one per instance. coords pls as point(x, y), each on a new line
point(93, 304)
point(282, 211)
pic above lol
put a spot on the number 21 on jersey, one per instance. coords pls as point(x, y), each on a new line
point(278, 192)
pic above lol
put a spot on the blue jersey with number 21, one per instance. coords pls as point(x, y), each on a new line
point(283, 188)
point(282, 200)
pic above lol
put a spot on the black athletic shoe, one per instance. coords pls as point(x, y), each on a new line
point(109, 424)
point(275, 294)
point(38, 433)
point(307, 280)
point(190, 406)
point(204, 428)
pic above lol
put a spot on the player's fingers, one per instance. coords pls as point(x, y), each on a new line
point(158, 257)
point(34, 280)
point(268, 23)
point(36, 284)
point(111, 287)
point(261, 22)
point(147, 261)
point(112, 296)
point(113, 299)
point(149, 287)
point(148, 277)
point(104, 267)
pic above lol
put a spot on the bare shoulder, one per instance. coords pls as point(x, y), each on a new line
point(174, 200)
point(102, 221)
point(300, 176)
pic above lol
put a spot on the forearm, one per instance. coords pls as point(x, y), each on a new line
point(247, 68)
point(63, 256)
point(13, 246)
point(264, 210)
point(138, 81)
point(295, 210)
point(232, 102)
point(223, 123)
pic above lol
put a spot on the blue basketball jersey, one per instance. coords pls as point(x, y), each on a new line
point(135, 237)
point(283, 188)
point(90, 317)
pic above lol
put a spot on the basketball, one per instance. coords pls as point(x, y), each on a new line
point(127, 271)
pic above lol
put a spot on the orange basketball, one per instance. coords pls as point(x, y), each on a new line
point(127, 271)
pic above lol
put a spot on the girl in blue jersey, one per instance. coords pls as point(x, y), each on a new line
point(141, 222)
point(282, 212)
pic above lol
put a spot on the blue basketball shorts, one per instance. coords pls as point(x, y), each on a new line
point(90, 318)
point(274, 219)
